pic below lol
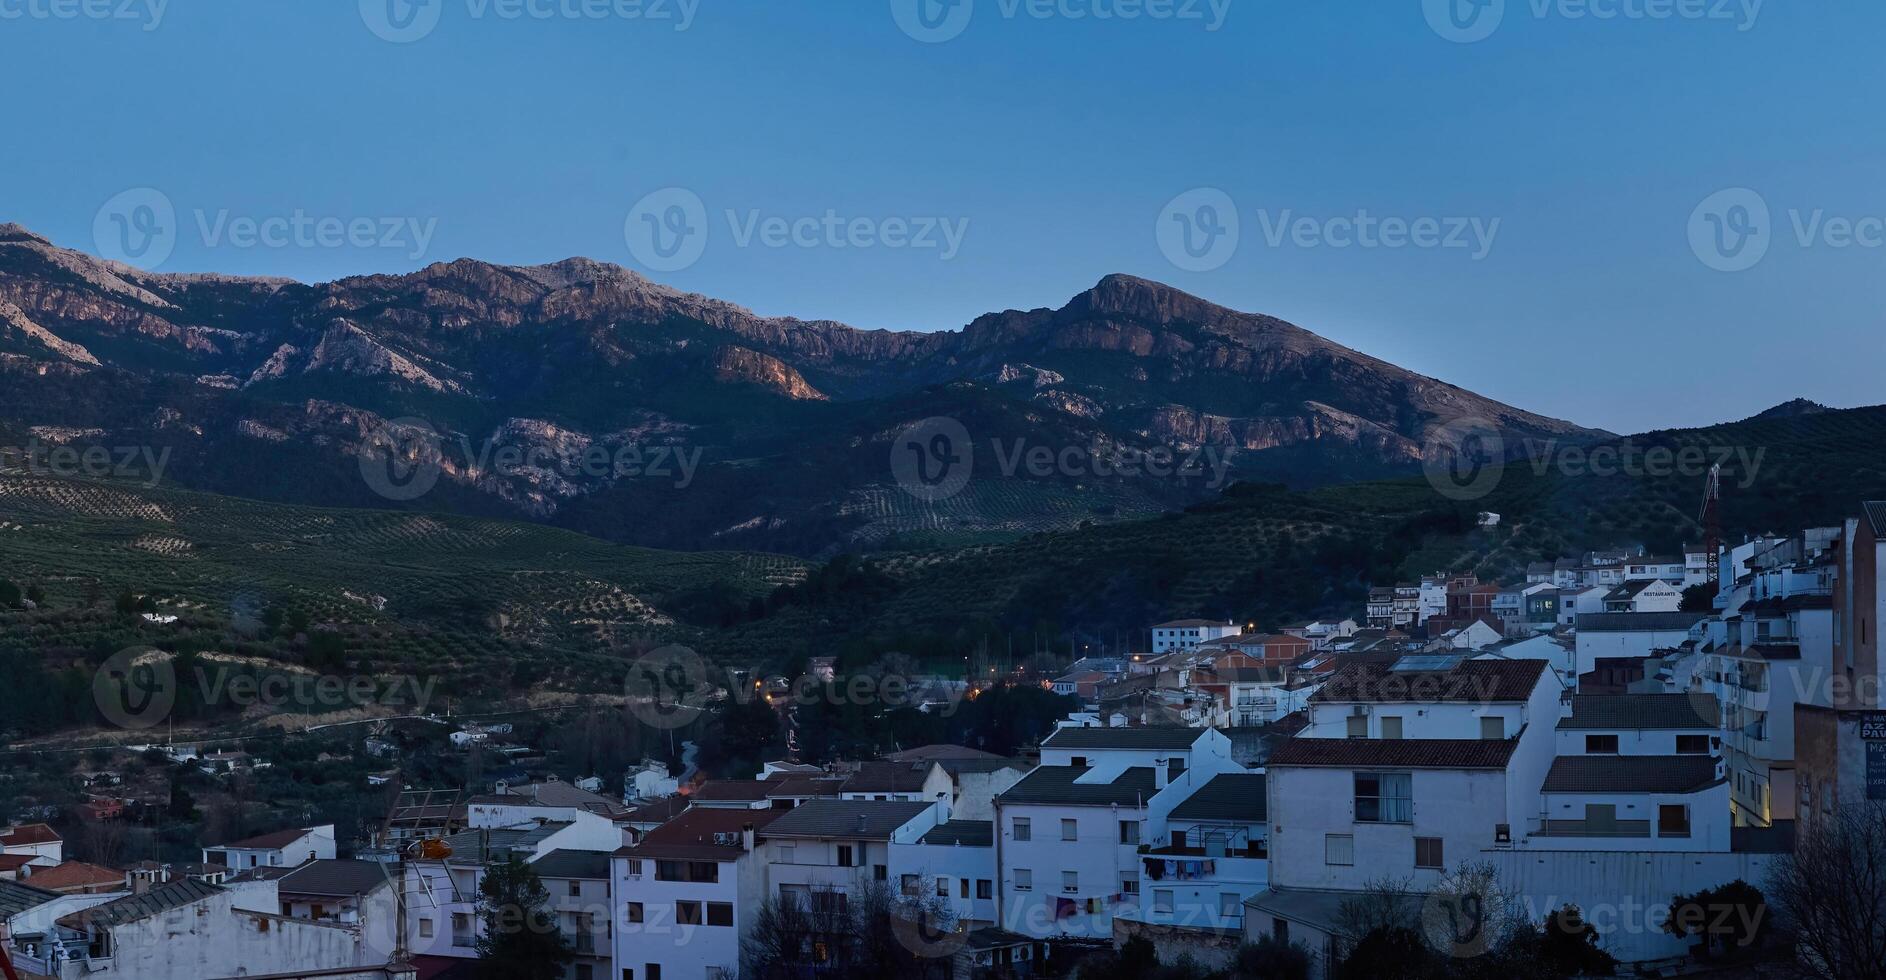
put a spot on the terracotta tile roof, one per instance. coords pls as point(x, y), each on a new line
point(691, 836)
point(29, 833)
point(266, 842)
point(938, 753)
point(74, 874)
point(1406, 753)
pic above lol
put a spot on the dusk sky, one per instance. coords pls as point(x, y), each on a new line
point(1555, 234)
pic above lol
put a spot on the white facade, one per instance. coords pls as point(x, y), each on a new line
point(314, 843)
point(1184, 634)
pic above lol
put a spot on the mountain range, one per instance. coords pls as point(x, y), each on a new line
point(776, 433)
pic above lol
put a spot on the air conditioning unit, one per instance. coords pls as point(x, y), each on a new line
point(1502, 833)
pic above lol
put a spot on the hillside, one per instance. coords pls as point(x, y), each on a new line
point(783, 428)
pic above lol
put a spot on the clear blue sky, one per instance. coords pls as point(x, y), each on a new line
point(1060, 141)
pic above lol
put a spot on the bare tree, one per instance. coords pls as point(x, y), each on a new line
point(1831, 892)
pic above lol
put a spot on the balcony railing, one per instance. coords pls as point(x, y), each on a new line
point(1586, 828)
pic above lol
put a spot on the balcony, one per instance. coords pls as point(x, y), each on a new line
point(1587, 828)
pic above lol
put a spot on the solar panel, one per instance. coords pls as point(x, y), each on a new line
point(1427, 663)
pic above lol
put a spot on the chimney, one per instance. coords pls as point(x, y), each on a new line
point(746, 838)
point(1159, 773)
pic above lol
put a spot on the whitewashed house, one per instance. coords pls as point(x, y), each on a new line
point(281, 849)
point(1184, 634)
point(685, 897)
point(836, 847)
point(953, 863)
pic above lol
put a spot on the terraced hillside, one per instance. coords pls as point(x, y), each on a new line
point(485, 601)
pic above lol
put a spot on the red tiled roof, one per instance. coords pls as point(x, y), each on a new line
point(690, 836)
point(1404, 753)
point(74, 874)
point(29, 833)
point(14, 862)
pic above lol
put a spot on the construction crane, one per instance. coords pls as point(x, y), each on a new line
point(1711, 519)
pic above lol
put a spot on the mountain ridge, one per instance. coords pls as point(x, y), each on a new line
point(796, 417)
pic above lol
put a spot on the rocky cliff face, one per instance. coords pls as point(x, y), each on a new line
point(791, 415)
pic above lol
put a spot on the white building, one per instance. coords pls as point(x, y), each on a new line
point(686, 895)
point(1632, 636)
point(1068, 834)
point(1184, 634)
point(953, 862)
point(836, 847)
point(581, 884)
point(37, 842)
point(281, 849)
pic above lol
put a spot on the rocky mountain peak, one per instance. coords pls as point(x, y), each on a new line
point(11, 232)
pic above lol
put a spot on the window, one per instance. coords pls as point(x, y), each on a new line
point(1070, 881)
point(1391, 727)
point(786, 854)
point(1358, 726)
point(652, 971)
point(1384, 797)
point(1175, 768)
point(942, 888)
point(1280, 928)
point(1077, 761)
point(1673, 820)
point(844, 855)
point(1070, 830)
point(1493, 728)
point(1692, 745)
point(1024, 879)
point(1129, 831)
point(425, 928)
point(984, 888)
point(1024, 829)
point(719, 914)
point(697, 871)
point(1162, 901)
point(910, 883)
point(1178, 839)
point(462, 933)
point(576, 889)
point(1129, 886)
point(635, 912)
point(1339, 849)
point(1601, 744)
point(1601, 817)
point(687, 913)
point(962, 887)
point(1428, 852)
point(880, 873)
point(1230, 906)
